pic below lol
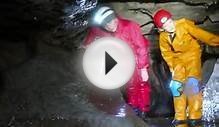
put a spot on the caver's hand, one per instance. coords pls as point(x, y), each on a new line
point(176, 88)
point(192, 86)
point(144, 75)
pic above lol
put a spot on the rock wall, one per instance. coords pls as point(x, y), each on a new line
point(51, 86)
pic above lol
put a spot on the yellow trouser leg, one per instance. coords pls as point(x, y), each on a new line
point(181, 125)
point(195, 106)
point(180, 107)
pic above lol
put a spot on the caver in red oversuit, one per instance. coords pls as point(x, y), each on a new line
point(138, 88)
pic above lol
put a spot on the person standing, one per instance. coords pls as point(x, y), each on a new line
point(106, 23)
point(180, 48)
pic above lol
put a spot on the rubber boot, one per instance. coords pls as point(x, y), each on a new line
point(137, 111)
point(194, 122)
point(178, 122)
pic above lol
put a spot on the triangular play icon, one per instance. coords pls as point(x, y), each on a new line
point(109, 63)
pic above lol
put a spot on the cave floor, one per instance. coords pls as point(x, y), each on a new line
point(151, 122)
point(166, 122)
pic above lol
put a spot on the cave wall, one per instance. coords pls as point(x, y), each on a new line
point(178, 9)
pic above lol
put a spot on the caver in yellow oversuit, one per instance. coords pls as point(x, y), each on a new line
point(179, 45)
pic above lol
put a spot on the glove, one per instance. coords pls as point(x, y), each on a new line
point(144, 75)
point(176, 88)
point(192, 86)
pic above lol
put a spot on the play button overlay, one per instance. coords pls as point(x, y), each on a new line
point(108, 63)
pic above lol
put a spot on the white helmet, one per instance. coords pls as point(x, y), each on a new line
point(103, 15)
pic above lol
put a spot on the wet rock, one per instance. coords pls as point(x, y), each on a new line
point(201, 1)
point(211, 95)
point(12, 54)
point(207, 69)
point(52, 86)
point(196, 13)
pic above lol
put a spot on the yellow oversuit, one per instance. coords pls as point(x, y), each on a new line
point(183, 56)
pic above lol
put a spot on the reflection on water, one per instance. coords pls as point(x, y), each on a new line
point(151, 122)
point(121, 112)
point(167, 122)
point(201, 125)
point(211, 96)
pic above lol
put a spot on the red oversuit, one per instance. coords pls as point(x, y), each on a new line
point(138, 92)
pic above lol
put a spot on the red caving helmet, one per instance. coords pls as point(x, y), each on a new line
point(160, 17)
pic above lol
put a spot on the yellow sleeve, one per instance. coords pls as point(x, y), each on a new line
point(166, 52)
point(202, 35)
